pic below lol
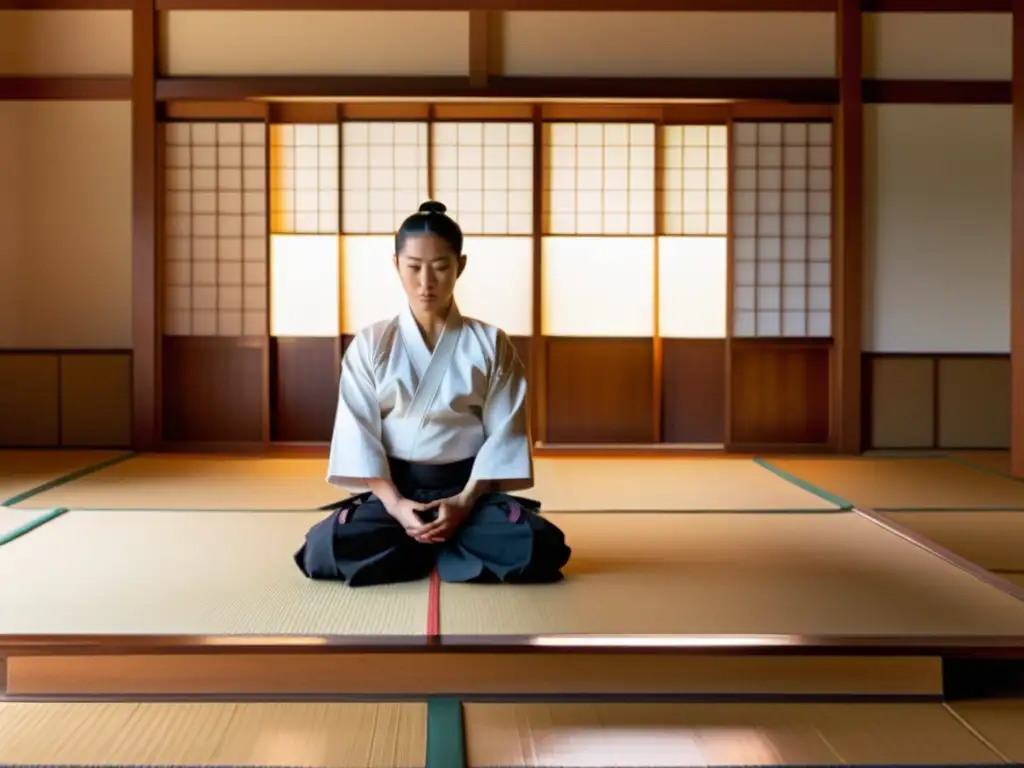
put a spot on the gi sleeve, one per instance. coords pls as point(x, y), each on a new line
point(506, 455)
point(357, 451)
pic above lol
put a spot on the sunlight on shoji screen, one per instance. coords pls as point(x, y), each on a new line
point(693, 284)
point(598, 286)
point(371, 289)
point(782, 229)
point(599, 179)
point(304, 179)
point(693, 287)
point(483, 172)
point(497, 286)
point(384, 175)
point(305, 292)
point(216, 221)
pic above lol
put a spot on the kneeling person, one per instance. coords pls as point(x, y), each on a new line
point(432, 428)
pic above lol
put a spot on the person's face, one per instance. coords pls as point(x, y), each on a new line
point(428, 269)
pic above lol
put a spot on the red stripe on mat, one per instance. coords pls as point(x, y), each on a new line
point(434, 605)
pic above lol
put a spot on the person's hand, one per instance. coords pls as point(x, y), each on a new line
point(406, 512)
point(451, 513)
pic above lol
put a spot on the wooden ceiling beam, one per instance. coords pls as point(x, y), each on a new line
point(65, 88)
point(238, 90)
point(797, 90)
point(731, 6)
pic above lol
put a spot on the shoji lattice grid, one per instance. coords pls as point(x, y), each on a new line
point(215, 229)
point(782, 229)
point(384, 175)
point(600, 178)
point(483, 172)
point(304, 176)
point(695, 180)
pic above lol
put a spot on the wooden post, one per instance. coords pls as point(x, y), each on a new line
point(145, 282)
point(847, 258)
point(1017, 250)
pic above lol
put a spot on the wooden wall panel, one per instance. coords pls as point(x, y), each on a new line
point(367, 43)
point(65, 219)
point(65, 399)
point(693, 390)
point(900, 402)
point(936, 401)
point(29, 400)
point(974, 402)
point(304, 394)
point(75, 43)
point(780, 393)
point(668, 44)
point(212, 389)
point(95, 400)
point(599, 390)
point(938, 46)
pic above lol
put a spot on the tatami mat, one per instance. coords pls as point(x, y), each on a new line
point(657, 484)
point(996, 461)
point(346, 735)
point(22, 471)
point(735, 573)
point(1000, 723)
point(907, 483)
point(993, 540)
point(175, 573)
point(15, 520)
point(562, 484)
point(673, 735)
point(198, 482)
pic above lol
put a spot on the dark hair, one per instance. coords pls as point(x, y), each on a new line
point(431, 219)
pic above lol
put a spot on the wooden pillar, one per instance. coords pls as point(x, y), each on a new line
point(848, 238)
point(1017, 249)
point(485, 46)
point(145, 328)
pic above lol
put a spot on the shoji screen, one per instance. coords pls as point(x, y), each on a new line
point(483, 172)
point(215, 230)
point(214, 297)
point(384, 179)
point(782, 225)
point(598, 255)
point(305, 287)
point(693, 285)
point(782, 282)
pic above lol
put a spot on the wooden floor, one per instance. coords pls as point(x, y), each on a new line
point(126, 555)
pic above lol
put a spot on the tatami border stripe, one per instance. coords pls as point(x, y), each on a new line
point(980, 467)
point(800, 483)
point(965, 509)
point(434, 605)
point(461, 765)
point(446, 741)
point(31, 525)
point(77, 474)
point(984, 575)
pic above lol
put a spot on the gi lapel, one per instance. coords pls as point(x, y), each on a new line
point(433, 376)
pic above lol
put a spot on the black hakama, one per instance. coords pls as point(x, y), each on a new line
point(503, 540)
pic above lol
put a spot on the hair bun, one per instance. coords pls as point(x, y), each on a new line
point(433, 206)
